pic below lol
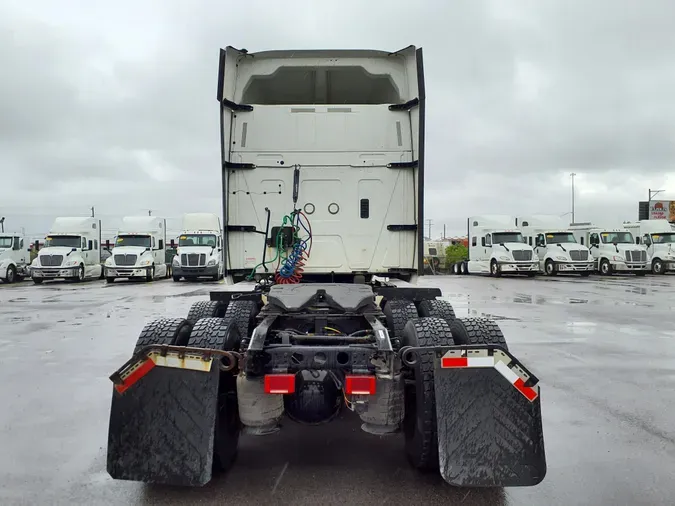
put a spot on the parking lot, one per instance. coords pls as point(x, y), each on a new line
point(602, 348)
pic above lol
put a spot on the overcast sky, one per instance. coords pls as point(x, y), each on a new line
point(114, 106)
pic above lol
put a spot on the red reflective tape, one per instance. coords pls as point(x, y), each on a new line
point(448, 362)
point(138, 373)
point(528, 392)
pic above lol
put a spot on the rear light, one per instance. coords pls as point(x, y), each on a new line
point(360, 385)
point(279, 383)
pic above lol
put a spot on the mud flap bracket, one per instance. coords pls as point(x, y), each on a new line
point(489, 426)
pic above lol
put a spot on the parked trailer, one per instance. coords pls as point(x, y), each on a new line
point(317, 237)
point(497, 246)
point(14, 258)
point(658, 237)
point(139, 251)
point(613, 249)
point(555, 245)
point(71, 251)
point(201, 249)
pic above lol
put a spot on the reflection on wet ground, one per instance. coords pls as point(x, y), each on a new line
point(602, 348)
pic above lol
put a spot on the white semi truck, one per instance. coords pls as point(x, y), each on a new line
point(555, 245)
point(139, 251)
point(14, 258)
point(201, 248)
point(323, 188)
point(71, 251)
point(497, 246)
point(613, 249)
point(658, 237)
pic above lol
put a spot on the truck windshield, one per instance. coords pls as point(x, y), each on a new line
point(66, 241)
point(504, 237)
point(197, 240)
point(617, 237)
point(665, 238)
point(6, 242)
point(560, 237)
point(143, 241)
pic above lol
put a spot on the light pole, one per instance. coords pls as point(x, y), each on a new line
point(572, 175)
point(2, 223)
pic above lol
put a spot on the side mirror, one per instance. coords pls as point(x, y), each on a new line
point(73, 249)
point(614, 243)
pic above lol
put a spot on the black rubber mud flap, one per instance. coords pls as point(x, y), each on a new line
point(488, 421)
point(162, 428)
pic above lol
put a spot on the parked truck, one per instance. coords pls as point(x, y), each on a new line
point(139, 251)
point(71, 251)
point(201, 249)
point(496, 247)
point(658, 237)
point(14, 258)
point(555, 245)
point(613, 249)
point(324, 313)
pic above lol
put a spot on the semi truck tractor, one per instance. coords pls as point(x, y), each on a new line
point(71, 251)
point(555, 246)
point(497, 246)
point(323, 189)
point(658, 237)
point(139, 251)
point(14, 258)
point(613, 249)
point(201, 249)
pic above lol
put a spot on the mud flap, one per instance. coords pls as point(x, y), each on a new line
point(162, 422)
point(489, 425)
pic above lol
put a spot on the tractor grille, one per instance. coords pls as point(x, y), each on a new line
point(636, 256)
point(521, 255)
point(579, 256)
point(125, 259)
point(51, 260)
point(193, 259)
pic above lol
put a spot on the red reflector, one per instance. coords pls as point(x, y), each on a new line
point(360, 385)
point(449, 362)
point(138, 373)
point(279, 383)
point(528, 392)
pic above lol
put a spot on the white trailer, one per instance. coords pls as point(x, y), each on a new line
point(139, 251)
point(71, 251)
point(497, 246)
point(555, 245)
point(201, 248)
point(613, 249)
point(658, 237)
point(14, 258)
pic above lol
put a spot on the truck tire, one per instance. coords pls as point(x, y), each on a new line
point(109, 280)
point(495, 270)
point(215, 333)
point(437, 309)
point(242, 313)
point(397, 314)
point(657, 266)
point(605, 267)
point(205, 309)
point(419, 422)
point(549, 268)
point(150, 274)
point(171, 331)
point(477, 331)
point(10, 275)
point(80, 274)
point(176, 279)
point(37, 281)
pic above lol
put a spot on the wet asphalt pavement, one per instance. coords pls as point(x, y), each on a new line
point(602, 348)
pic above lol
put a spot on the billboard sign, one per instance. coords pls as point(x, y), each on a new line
point(662, 210)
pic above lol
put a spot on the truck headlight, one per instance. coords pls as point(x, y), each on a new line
point(618, 259)
point(147, 261)
point(109, 261)
point(212, 262)
point(505, 258)
point(561, 258)
point(71, 263)
point(175, 261)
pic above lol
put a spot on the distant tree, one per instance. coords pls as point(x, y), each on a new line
point(455, 253)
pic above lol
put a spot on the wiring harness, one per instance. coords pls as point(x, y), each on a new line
point(290, 264)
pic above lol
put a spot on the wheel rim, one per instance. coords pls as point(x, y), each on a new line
point(605, 267)
point(81, 274)
point(494, 268)
point(549, 268)
point(10, 275)
point(657, 266)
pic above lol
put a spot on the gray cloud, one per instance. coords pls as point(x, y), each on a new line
point(114, 106)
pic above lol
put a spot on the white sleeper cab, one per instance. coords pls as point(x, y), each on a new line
point(139, 251)
point(201, 248)
point(71, 251)
point(497, 247)
point(658, 237)
point(555, 245)
point(13, 258)
point(613, 249)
